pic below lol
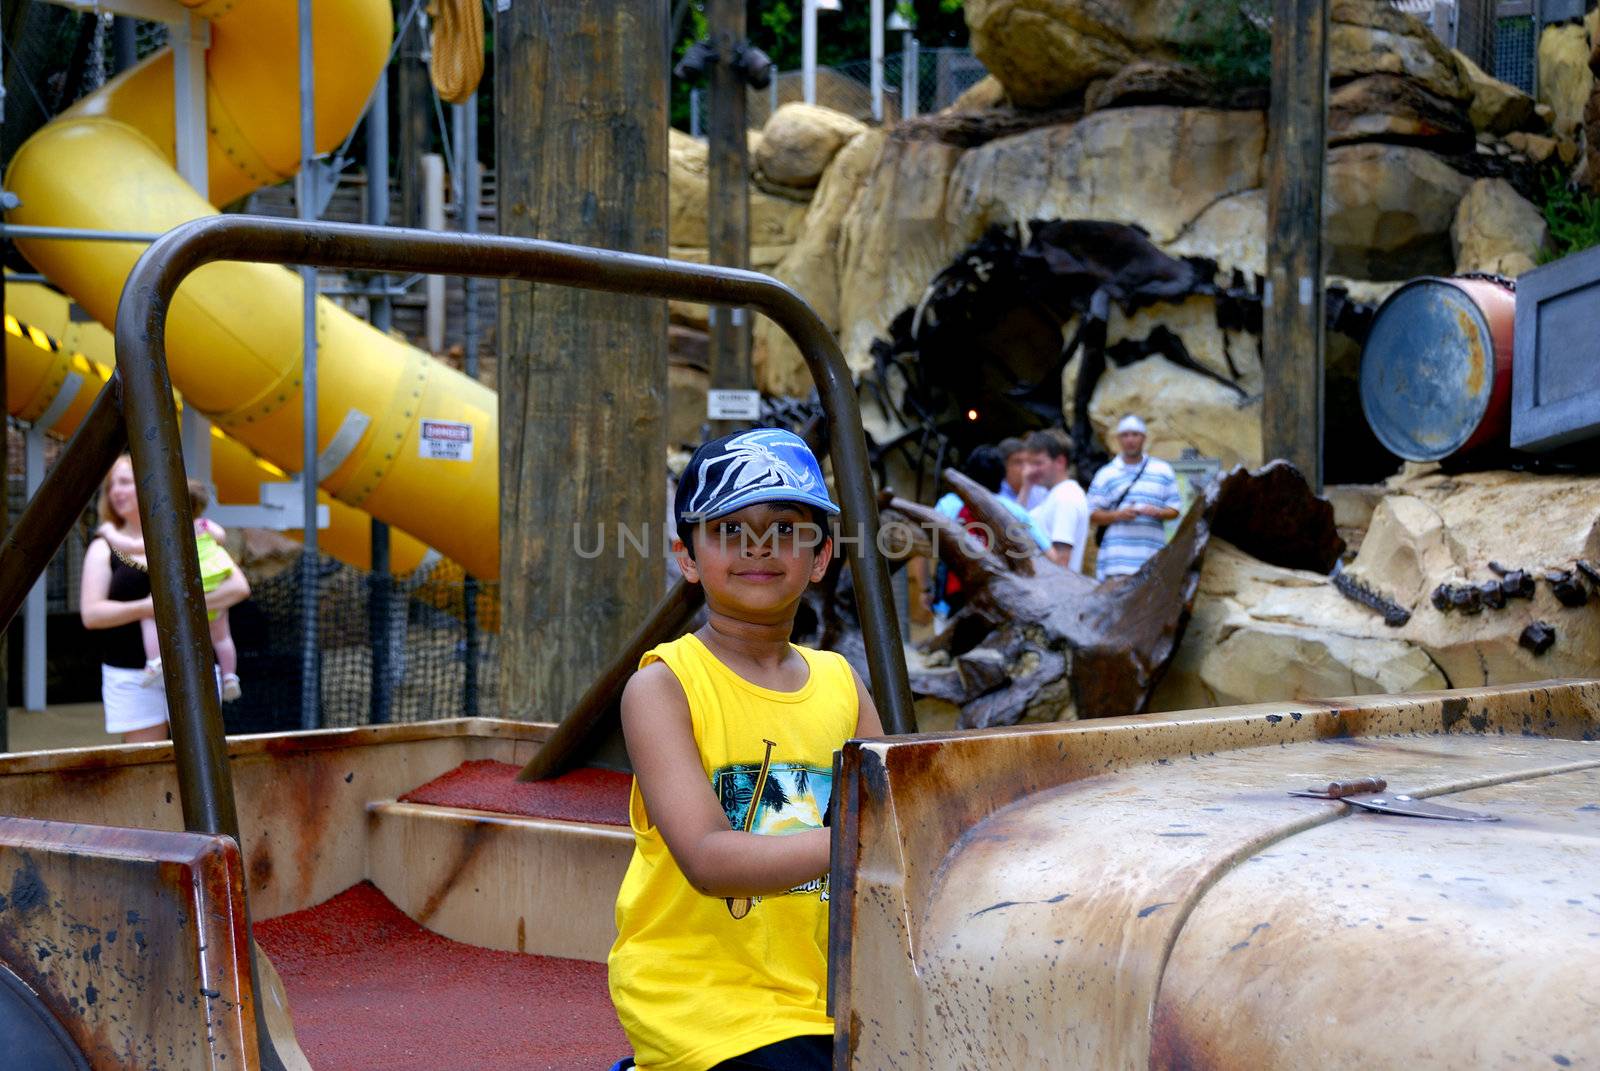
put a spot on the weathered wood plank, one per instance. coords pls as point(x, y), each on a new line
point(1292, 316)
point(728, 215)
point(581, 123)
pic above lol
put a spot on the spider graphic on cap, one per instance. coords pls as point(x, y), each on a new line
point(748, 462)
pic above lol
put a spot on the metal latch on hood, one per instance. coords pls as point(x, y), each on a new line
point(1368, 794)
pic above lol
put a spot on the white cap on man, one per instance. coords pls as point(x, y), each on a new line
point(1131, 423)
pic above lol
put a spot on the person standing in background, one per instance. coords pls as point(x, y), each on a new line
point(1131, 498)
point(1064, 514)
point(115, 597)
point(985, 468)
point(1015, 487)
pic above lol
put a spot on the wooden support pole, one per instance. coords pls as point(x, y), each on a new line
point(581, 130)
point(728, 210)
point(1292, 328)
point(414, 118)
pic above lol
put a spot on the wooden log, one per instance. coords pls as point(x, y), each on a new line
point(581, 126)
point(728, 206)
point(1292, 324)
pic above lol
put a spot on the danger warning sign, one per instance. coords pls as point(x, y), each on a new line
point(445, 440)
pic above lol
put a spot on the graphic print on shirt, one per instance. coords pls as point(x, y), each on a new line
point(794, 797)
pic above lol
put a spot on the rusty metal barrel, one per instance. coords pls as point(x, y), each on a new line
point(1436, 368)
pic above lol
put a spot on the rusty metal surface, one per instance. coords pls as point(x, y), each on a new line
point(1014, 893)
point(303, 796)
point(1467, 945)
point(135, 939)
point(497, 880)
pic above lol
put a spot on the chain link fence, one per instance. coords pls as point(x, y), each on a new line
point(931, 77)
point(416, 623)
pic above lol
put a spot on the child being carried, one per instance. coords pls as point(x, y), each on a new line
point(215, 566)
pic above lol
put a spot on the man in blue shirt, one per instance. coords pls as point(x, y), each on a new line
point(1132, 497)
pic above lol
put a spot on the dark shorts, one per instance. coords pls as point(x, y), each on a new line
point(809, 1053)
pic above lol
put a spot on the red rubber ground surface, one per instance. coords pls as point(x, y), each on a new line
point(484, 785)
point(370, 990)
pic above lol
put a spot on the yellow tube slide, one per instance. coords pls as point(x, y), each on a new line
point(234, 335)
point(44, 347)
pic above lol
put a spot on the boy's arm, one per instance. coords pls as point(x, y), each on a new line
point(717, 860)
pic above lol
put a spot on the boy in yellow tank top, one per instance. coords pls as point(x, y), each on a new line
point(722, 920)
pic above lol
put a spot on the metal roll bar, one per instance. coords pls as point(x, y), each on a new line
point(142, 391)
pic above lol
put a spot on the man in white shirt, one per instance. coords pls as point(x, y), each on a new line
point(1064, 514)
point(1133, 496)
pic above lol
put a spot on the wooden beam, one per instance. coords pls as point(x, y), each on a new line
point(414, 119)
point(728, 208)
point(1292, 328)
point(581, 127)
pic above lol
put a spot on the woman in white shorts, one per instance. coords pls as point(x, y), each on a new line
point(114, 598)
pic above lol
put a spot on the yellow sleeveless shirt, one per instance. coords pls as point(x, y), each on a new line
point(692, 984)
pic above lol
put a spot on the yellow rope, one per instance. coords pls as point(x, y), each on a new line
point(457, 48)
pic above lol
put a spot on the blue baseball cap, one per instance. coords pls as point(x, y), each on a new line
point(739, 470)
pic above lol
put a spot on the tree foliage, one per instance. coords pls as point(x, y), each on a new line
point(1572, 216)
point(1230, 40)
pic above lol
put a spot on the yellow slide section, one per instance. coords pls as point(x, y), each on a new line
point(45, 349)
point(234, 336)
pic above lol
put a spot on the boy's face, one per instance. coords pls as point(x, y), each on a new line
point(1016, 469)
point(755, 563)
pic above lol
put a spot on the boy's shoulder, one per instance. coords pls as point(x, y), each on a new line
point(654, 679)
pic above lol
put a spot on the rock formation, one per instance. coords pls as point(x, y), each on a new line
point(811, 265)
point(1388, 210)
point(1262, 632)
point(1565, 81)
point(1497, 107)
point(1497, 230)
point(798, 143)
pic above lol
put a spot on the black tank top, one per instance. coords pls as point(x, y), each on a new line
point(123, 646)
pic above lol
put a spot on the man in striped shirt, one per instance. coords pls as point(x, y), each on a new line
point(1133, 497)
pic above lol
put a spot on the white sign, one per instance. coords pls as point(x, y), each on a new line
point(733, 404)
point(445, 440)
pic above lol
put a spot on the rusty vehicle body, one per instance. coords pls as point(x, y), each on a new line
point(1141, 891)
point(1130, 892)
point(1149, 892)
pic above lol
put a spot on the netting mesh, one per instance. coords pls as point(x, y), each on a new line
point(430, 647)
point(1515, 51)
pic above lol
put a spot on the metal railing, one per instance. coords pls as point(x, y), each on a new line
point(136, 409)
